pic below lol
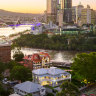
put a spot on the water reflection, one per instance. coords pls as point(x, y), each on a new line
point(59, 56)
point(8, 30)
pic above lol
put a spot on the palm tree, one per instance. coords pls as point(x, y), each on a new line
point(68, 89)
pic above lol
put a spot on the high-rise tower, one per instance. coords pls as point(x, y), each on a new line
point(66, 6)
point(52, 10)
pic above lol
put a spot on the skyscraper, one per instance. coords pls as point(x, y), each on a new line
point(83, 15)
point(56, 7)
point(52, 10)
point(49, 7)
point(65, 12)
point(67, 6)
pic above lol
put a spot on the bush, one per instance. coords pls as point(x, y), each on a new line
point(18, 56)
point(50, 94)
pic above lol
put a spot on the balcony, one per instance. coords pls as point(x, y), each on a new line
point(54, 80)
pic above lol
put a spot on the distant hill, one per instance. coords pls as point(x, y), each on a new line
point(9, 13)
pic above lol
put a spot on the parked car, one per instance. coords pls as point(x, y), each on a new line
point(12, 83)
point(5, 81)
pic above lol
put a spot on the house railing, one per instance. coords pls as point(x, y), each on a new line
point(55, 80)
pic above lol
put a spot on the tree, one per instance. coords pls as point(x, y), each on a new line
point(68, 89)
point(20, 73)
point(11, 64)
point(2, 67)
point(50, 94)
point(28, 94)
point(84, 67)
point(57, 42)
point(3, 92)
point(1, 77)
point(14, 46)
point(18, 56)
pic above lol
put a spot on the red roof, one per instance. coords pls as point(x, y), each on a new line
point(21, 62)
point(26, 57)
point(26, 65)
point(45, 54)
point(34, 58)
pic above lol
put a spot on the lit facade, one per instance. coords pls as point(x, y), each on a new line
point(64, 14)
point(51, 76)
point(60, 18)
point(66, 5)
point(52, 10)
point(81, 15)
point(86, 16)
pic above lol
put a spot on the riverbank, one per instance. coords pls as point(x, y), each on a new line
point(19, 33)
point(8, 31)
point(48, 50)
point(63, 56)
point(15, 36)
point(57, 42)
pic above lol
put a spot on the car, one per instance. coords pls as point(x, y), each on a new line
point(5, 81)
point(12, 83)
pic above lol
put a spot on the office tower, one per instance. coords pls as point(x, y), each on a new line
point(60, 18)
point(83, 15)
point(49, 7)
point(64, 12)
point(52, 10)
point(62, 3)
point(88, 16)
point(66, 7)
point(67, 11)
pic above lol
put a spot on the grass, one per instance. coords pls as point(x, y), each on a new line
point(64, 68)
point(50, 87)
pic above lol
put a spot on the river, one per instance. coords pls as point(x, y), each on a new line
point(60, 56)
point(57, 56)
point(7, 31)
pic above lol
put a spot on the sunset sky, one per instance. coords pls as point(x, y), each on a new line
point(35, 6)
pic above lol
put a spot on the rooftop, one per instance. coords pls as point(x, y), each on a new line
point(34, 57)
point(14, 95)
point(37, 57)
point(28, 87)
point(50, 71)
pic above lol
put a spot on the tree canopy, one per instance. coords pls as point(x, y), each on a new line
point(3, 92)
point(57, 42)
point(20, 73)
point(84, 67)
point(28, 94)
point(18, 56)
point(2, 67)
point(68, 89)
point(50, 94)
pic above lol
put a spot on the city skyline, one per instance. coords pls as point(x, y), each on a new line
point(35, 6)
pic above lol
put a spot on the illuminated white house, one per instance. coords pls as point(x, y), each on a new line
point(51, 76)
point(28, 87)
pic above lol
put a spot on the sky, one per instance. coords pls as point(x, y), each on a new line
point(35, 6)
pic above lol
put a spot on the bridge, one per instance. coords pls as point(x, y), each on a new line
point(14, 23)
